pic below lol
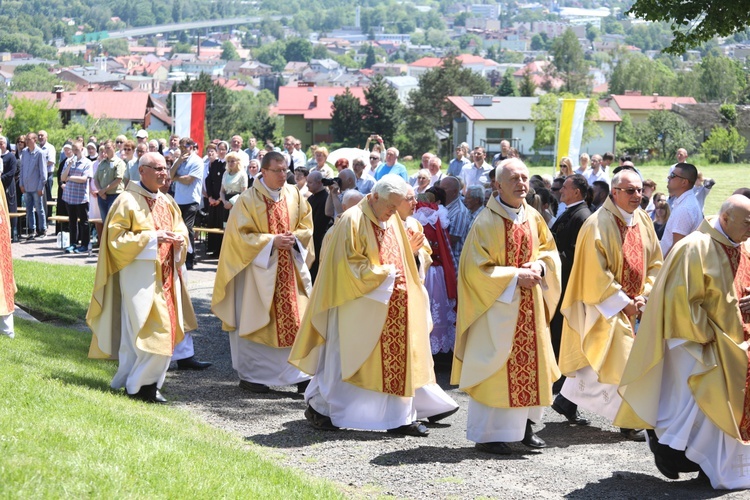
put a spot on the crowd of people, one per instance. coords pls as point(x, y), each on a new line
point(344, 280)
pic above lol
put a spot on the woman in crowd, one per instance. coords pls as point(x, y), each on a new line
point(423, 182)
point(300, 179)
point(341, 164)
point(91, 152)
point(254, 167)
point(233, 183)
point(661, 215)
point(321, 155)
point(583, 163)
point(440, 279)
point(566, 167)
point(216, 212)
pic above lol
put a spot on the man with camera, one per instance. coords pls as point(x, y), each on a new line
point(346, 180)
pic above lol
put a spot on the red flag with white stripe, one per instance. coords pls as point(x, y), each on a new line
point(190, 116)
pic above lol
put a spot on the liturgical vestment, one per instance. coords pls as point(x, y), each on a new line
point(503, 356)
point(688, 376)
point(261, 292)
point(7, 282)
point(140, 308)
point(365, 334)
point(617, 259)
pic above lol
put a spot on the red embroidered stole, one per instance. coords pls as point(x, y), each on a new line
point(285, 293)
point(6, 261)
point(523, 362)
point(162, 216)
point(739, 260)
point(633, 270)
point(393, 339)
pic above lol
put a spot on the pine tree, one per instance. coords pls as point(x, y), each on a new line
point(370, 60)
point(527, 87)
point(508, 85)
point(382, 113)
point(346, 119)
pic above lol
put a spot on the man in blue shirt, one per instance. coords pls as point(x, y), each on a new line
point(32, 181)
point(187, 175)
point(391, 166)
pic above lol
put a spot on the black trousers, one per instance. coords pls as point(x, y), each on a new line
point(188, 216)
point(78, 216)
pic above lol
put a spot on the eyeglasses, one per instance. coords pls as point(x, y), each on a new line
point(127, 149)
point(630, 191)
point(276, 170)
point(673, 175)
point(374, 158)
point(118, 142)
point(158, 170)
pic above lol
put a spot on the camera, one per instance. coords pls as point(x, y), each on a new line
point(329, 182)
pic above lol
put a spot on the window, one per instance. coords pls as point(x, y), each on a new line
point(495, 135)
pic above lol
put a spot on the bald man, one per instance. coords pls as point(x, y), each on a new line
point(686, 377)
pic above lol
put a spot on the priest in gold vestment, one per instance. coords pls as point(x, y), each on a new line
point(140, 309)
point(616, 262)
point(7, 282)
point(688, 377)
point(508, 288)
point(262, 280)
point(365, 334)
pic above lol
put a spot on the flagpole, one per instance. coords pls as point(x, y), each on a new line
point(557, 136)
point(174, 112)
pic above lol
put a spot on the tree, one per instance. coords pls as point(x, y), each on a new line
point(592, 32)
point(176, 11)
point(528, 86)
point(382, 112)
point(508, 85)
point(428, 106)
point(298, 50)
point(667, 132)
point(721, 79)
point(320, 52)
point(346, 119)
point(695, 21)
point(546, 112)
point(569, 62)
point(723, 145)
point(273, 55)
point(30, 115)
point(229, 52)
point(370, 60)
point(638, 72)
point(36, 78)
point(115, 47)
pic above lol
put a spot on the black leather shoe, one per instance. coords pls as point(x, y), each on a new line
point(559, 405)
point(192, 364)
point(637, 435)
point(149, 394)
point(441, 416)
point(413, 429)
point(532, 440)
point(496, 448)
point(318, 420)
point(31, 237)
point(302, 386)
point(664, 468)
point(253, 387)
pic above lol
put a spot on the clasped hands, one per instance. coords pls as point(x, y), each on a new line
point(635, 307)
point(284, 241)
point(416, 239)
point(530, 275)
point(169, 237)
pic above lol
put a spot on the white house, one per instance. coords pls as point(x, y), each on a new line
point(403, 85)
point(486, 120)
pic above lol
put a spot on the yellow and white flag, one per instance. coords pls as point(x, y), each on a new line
point(570, 129)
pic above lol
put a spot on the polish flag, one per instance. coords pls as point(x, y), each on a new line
point(190, 116)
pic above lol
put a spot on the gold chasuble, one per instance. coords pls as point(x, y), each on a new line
point(383, 341)
point(695, 298)
point(163, 311)
point(610, 257)
point(503, 356)
point(7, 282)
point(274, 295)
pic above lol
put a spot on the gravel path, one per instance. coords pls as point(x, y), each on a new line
point(580, 462)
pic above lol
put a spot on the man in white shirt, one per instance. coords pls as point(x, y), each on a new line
point(687, 214)
point(596, 172)
point(51, 161)
point(433, 166)
point(293, 157)
point(476, 173)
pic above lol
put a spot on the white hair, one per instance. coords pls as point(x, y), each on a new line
point(475, 192)
point(510, 161)
point(390, 184)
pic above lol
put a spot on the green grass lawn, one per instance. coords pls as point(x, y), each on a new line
point(56, 291)
point(65, 433)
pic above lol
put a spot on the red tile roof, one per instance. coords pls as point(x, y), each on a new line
point(647, 102)
point(607, 114)
point(299, 101)
point(109, 104)
point(434, 62)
